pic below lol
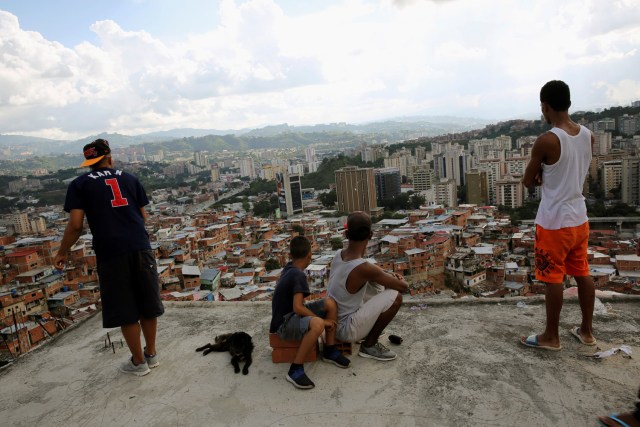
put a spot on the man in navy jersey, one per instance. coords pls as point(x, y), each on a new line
point(113, 202)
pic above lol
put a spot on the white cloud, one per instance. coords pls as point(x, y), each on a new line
point(621, 92)
point(356, 60)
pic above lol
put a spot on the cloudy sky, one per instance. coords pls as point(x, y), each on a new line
point(72, 68)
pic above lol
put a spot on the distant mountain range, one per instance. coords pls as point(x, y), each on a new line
point(266, 137)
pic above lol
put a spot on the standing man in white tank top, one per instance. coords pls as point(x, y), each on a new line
point(560, 162)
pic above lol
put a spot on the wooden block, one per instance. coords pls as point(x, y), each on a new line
point(344, 347)
point(285, 351)
point(287, 355)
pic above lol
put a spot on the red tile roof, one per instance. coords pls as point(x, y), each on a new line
point(21, 253)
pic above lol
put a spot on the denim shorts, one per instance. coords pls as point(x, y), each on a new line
point(294, 326)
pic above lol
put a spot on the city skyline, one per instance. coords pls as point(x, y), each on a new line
point(134, 66)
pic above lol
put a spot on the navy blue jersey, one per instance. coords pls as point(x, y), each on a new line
point(292, 281)
point(111, 199)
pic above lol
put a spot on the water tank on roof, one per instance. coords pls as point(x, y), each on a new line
point(65, 289)
point(14, 292)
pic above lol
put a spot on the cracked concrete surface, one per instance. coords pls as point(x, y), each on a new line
point(459, 364)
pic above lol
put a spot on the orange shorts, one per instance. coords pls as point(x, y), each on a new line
point(560, 252)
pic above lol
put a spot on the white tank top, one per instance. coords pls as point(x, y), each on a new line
point(562, 203)
point(347, 303)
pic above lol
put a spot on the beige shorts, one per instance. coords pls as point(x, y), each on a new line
point(358, 325)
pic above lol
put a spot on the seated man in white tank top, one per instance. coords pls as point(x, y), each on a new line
point(350, 273)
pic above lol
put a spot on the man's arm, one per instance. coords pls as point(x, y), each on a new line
point(71, 235)
point(533, 172)
point(301, 310)
point(368, 272)
point(143, 212)
point(299, 307)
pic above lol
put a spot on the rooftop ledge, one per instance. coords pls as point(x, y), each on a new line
point(459, 364)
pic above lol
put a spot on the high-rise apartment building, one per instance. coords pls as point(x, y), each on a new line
point(510, 192)
point(503, 142)
point(440, 147)
point(421, 154)
point(296, 169)
point(525, 140)
point(402, 160)
point(515, 165)
point(310, 154)
point(215, 173)
point(423, 177)
point(611, 178)
point(446, 192)
point(247, 167)
point(387, 182)
point(200, 158)
point(269, 171)
point(313, 166)
point(602, 143)
point(495, 171)
point(452, 164)
point(21, 223)
point(289, 190)
point(603, 125)
point(355, 189)
point(373, 153)
point(629, 125)
point(630, 191)
point(477, 187)
point(38, 225)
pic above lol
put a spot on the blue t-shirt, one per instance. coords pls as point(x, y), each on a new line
point(292, 281)
point(111, 199)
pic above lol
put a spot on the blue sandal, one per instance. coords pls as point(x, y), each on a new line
point(615, 418)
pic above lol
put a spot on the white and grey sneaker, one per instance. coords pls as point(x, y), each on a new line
point(152, 361)
point(139, 370)
point(377, 351)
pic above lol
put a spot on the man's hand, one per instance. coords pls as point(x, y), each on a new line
point(60, 260)
point(396, 275)
point(71, 234)
point(537, 180)
point(329, 325)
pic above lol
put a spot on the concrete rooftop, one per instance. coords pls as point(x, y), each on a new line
point(459, 364)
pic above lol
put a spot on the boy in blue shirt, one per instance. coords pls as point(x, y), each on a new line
point(294, 320)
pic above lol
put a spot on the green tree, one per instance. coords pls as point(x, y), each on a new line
point(328, 199)
point(266, 208)
point(616, 192)
point(298, 229)
point(400, 202)
point(416, 200)
point(272, 264)
point(245, 204)
point(462, 193)
point(336, 243)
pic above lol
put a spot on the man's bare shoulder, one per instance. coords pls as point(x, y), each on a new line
point(546, 141)
point(547, 138)
point(367, 268)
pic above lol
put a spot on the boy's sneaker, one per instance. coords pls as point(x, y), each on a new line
point(152, 361)
point(377, 351)
point(299, 379)
point(139, 370)
point(337, 359)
